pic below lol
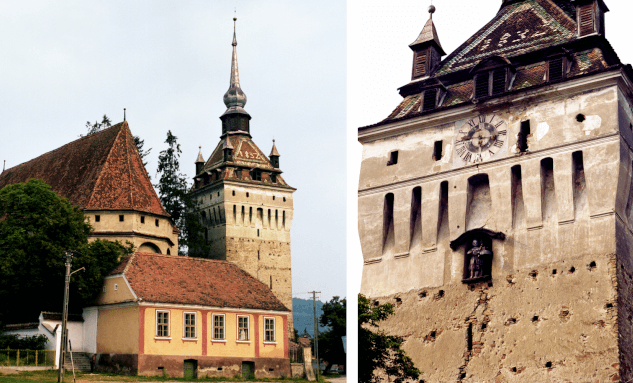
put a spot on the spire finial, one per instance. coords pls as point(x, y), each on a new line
point(5, 164)
point(234, 97)
point(124, 116)
point(431, 9)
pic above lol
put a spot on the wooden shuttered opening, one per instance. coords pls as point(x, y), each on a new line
point(556, 69)
point(482, 85)
point(586, 19)
point(430, 99)
point(419, 63)
point(499, 81)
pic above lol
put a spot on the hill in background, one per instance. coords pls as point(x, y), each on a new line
point(303, 315)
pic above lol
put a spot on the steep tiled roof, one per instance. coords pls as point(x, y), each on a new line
point(246, 155)
point(102, 171)
point(523, 33)
point(517, 29)
point(194, 281)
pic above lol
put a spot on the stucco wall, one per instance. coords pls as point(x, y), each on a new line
point(117, 330)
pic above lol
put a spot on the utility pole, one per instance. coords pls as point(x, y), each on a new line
point(62, 357)
point(316, 333)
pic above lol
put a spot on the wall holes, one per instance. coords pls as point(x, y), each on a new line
point(572, 270)
point(398, 302)
point(247, 194)
point(469, 336)
point(437, 150)
point(439, 295)
point(423, 294)
point(511, 321)
point(376, 303)
point(592, 265)
point(393, 158)
point(533, 274)
point(489, 284)
point(514, 369)
point(233, 193)
point(522, 137)
point(548, 364)
point(608, 306)
point(484, 326)
point(535, 318)
point(554, 272)
point(510, 279)
point(564, 314)
point(580, 117)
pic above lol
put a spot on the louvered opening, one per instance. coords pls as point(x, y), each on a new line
point(430, 97)
point(556, 69)
point(419, 65)
point(499, 81)
point(586, 19)
point(481, 85)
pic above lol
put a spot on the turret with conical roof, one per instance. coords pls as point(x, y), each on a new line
point(427, 50)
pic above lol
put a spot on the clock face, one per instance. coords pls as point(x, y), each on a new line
point(480, 138)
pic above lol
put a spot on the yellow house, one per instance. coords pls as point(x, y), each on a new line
point(187, 316)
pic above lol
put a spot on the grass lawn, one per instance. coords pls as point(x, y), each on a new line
point(50, 376)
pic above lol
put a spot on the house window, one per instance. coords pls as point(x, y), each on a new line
point(97, 218)
point(269, 329)
point(419, 64)
point(189, 329)
point(142, 219)
point(522, 137)
point(393, 158)
point(162, 324)
point(256, 175)
point(121, 218)
point(218, 326)
point(242, 328)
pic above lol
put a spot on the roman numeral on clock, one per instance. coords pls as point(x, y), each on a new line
point(467, 157)
point(502, 132)
point(499, 143)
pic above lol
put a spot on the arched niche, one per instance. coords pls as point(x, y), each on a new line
point(149, 247)
point(478, 255)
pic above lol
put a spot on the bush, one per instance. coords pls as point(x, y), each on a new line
point(35, 342)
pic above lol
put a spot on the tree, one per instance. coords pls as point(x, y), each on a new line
point(173, 193)
point(106, 123)
point(378, 351)
point(331, 341)
point(36, 227)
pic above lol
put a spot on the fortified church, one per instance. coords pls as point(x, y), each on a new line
point(496, 202)
point(161, 313)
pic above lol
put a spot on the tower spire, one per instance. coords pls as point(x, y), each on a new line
point(234, 97)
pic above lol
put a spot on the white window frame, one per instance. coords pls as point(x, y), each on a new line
point(248, 329)
point(213, 338)
point(168, 325)
point(274, 341)
point(195, 325)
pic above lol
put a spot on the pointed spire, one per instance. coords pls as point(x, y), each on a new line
point(428, 34)
point(274, 151)
point(234, 97)
point(200, 158)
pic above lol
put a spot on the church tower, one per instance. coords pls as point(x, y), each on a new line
point(496, 202)
point(244, 202)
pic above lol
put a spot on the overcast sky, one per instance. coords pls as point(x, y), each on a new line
point(63, 63)
point(379, 62)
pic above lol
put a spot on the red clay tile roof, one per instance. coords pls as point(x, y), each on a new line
point(102, 171)
point(183, 280)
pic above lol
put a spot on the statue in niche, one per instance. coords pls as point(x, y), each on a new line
point(478, 256)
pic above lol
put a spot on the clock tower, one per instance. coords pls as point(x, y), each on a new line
point(496, 202)
point(244, 203)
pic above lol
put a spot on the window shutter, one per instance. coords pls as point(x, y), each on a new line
point(499, 81)
point(419, 65)
point(430, 99)
point(481, 85)
point(586, 19)
point(556, 68)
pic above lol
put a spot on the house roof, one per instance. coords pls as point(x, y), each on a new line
point(47, 315)
point(169, 279)
point(102, 171)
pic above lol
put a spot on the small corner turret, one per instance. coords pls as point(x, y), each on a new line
point(427, 50)
point(274, 156)
point(199, 161)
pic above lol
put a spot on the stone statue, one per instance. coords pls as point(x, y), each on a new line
point(477, 259)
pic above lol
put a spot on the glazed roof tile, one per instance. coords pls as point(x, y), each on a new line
point(102, 171)
point(168, 279)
